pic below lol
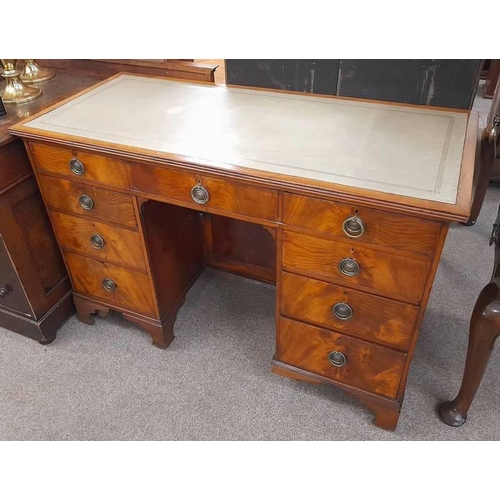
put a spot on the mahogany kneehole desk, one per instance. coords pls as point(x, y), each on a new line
point(344, 204)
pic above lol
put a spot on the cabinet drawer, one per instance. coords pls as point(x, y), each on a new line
point(80, 165)
point(398, 276)
point(241, 199)
point(381, 228)
point(227, 196)
point(107, 205)
point(99, 240)
point(132, 288)
point(366, 366)
point(363, 315)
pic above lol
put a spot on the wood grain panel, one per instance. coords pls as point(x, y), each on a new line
point(175, 250)
point(369, 367)
point(98, 168)
point(133, 289)
point(231, 197)
point(14, 164)
point(121, 246)
point(376, 319)
point(109, 206)
point(15, 298)
point(169, 184)
point(398, 276)
point(240, 247)
point(243, 199)
point(382, 228)
point(38, 238)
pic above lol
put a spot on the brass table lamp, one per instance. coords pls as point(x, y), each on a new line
point(16, 92)
point(33, 73)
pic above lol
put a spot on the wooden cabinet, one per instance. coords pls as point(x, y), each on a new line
point(35, 293)
point(353, 266)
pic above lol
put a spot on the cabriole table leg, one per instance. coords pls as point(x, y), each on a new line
point(484, 330)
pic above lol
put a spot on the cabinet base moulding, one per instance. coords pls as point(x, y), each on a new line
point(43, 330)
point(161, 331)
point(386, 410)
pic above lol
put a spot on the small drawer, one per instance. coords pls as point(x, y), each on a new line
point(80, 165)
point(340, 358)
point(362, 224)
point(242, 199)
point(98, 240)
point(117, 285)
point(363, 315)
point(86, 200)
point(398, 276)
point(207, 193)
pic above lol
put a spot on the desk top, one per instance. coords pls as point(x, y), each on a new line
point(401, 150)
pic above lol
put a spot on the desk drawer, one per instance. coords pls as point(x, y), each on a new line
point(107, 205)
point(132, 288)
point(363, 315)
point(80, 165)
point(398, 276)
point(358, 364)
point(223, 195)
point(382, 228)
point(99, 240)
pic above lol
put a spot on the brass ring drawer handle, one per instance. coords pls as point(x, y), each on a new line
point(5, 290)
point(354, 226)
point(108, 284)
point(97, 241)
point(349, 267)
point(342, 311)
point(76, 166)
point(200, 194)
point(337, 359)
point(86, 202)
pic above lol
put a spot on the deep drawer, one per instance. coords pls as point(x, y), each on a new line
point(105, 205)
point(381, 228)
point(361, 314)
point(132, 289)
point(99, 240)
point(358, 364)
point(397, 276)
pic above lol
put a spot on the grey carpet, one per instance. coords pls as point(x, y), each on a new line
point(214, 382)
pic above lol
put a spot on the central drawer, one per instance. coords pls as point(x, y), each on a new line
point(340, 358)
point(361, 314)
point(219, 195)
point(355, 265)
point(89, 201)
point(117, 285)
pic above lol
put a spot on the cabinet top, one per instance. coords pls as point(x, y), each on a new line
point(397, 153)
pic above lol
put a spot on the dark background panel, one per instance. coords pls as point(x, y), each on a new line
point(437, 82)
point(433, 82)
point(317, 76)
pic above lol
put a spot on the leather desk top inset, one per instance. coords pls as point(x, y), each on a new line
point(403, 150)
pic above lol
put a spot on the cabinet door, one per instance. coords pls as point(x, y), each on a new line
point(12, 295)
point(30, 241)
